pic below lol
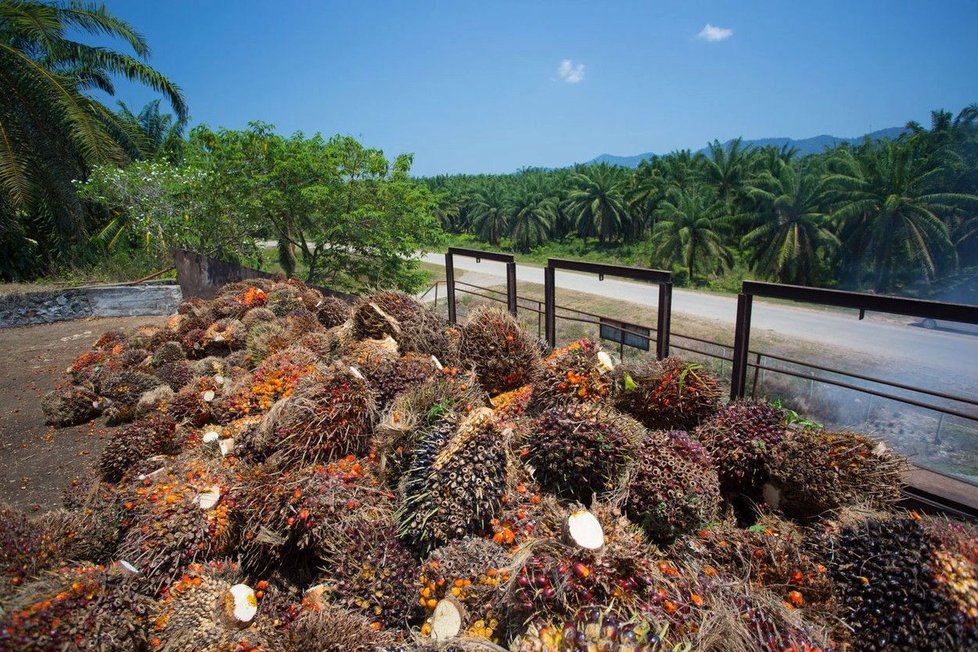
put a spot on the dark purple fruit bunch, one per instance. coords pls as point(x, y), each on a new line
point(581, 450)
point(503, 355)
point(151, 435)
point(388, 378)
point(673, 488)
point(740, 439)
point(333, 311)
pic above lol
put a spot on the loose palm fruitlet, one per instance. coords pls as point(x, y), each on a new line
point(813, 471)
point(503, 355)
point(455, 484)
point(580, 450)
point(673, 488)
point(669, 394)
point(739, 439)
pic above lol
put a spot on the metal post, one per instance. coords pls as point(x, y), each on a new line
point(511, 287)
point(436, 295)
point(757, 372)
point(450, 286)
point(663, 323)
point(550, 307)
point(738, 371)
point(539, 320)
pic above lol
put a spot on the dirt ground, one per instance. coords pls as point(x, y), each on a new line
point(36, 460)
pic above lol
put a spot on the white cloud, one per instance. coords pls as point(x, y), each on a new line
point(569, 72)
point(713, 33)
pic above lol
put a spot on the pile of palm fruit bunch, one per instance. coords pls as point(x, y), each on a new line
point(286, 471)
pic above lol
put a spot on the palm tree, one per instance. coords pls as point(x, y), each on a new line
point(533, 215)
point(597, 203)
point(157, 135)
point(727, 170)
point(489, 212)
point(51, 130)
point(787, 244)
point(689, 232)
point(890, 213)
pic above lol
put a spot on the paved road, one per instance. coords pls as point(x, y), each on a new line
point(901, 348)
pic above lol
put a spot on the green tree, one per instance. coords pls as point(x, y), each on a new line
point(793, 233)
point(727, 169)
point(51, 130)
point(889, 209)
point(690, 232)
point(490, 212)
point(597, 202)
point(533, 215)
point(156, 135)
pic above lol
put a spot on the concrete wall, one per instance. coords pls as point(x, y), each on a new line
point(44, 307)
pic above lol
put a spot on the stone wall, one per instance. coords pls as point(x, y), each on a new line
point(24, 309)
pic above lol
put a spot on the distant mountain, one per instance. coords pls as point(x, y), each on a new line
point(813, 145)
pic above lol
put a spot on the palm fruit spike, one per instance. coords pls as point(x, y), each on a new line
point(503, 355)
point(581, 450)
point(739, 439)
point(575, 373)
point(414, 412)
point(813, 471)
point(210, 609)
point(673, 487)
point(257, 316)
point(283, 299)
point(265, 338)
point(455, 484)
point(333, 311)
point(82, 607)
point(669, 394)
point(367, 570)
point(883, 566)
point(152, 435)
point(71, 406)
point(461, 586)
point(177, 517)
point(329, 416)
point(167, 352)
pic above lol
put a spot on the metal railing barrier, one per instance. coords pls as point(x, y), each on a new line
point(479, 255)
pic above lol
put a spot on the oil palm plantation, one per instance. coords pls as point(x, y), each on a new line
point(690, 229)
point(597, 202)
point(793, 238)
point(891, 214)
point(51, 129)
point(534, 211)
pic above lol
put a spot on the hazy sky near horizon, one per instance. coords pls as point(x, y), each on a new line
point(496, 86)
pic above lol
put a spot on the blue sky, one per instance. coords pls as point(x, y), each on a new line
point(495, 86)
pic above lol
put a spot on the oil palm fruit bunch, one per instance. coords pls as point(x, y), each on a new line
point(577, 373)
point(460, 589)
point(455, 484)
point(739, 439)
point(768, 555)
point(416, 328)
point(167, 352)
point(884, 569)
point(123, 390)
point(71, 406)
point(278, 374)
point(669, 394)
point(367, 570)
point(413, 412)
point(175, 374)
point(90, 366)
point(283, 299)
point(190, 406)
point(80, 607)
point(142, 336)
point(325, 627)
point(579, 450)
point(812, 471)
point(30, 545)
point(151, 435)
point(224, 335)
point(955, 546)
point(265, 338)
point(301, 321)
point(594, 629)
point(255, 316)
point(333, 311)
point(176, 517)
point(502, 354)
point(754, 620)
point(211, 609)
point(289, 517)
point(389, 378)
point(673, 488)
point(330, 415)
